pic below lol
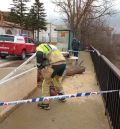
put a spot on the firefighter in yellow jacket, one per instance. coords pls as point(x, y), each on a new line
point(52, 64)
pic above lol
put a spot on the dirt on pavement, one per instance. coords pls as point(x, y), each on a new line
point(76, 113)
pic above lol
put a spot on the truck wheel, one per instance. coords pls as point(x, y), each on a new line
point(3, 57)
point(23, 56)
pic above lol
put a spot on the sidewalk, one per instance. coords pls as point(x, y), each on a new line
point(76, 113)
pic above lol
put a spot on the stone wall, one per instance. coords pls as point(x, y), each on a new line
point(16, 89)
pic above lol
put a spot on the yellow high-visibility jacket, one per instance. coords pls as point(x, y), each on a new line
point(51, 53)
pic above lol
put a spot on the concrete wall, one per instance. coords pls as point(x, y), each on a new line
point(17, 89)
point(64, 40)
point(2, 30)
point(14, 31)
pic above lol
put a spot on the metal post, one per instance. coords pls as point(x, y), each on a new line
point(50, 33)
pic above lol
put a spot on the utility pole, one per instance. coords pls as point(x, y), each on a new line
point(50, 32)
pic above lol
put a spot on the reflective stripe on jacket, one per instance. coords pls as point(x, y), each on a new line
point(51, 53)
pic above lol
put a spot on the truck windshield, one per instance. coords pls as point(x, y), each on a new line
point(7, 38)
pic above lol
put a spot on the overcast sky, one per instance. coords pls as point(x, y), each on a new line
point(54, 17)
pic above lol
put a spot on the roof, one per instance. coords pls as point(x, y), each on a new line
point(62, 29)
point(9, 24)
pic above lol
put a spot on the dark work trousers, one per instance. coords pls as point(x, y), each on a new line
point(75, 52)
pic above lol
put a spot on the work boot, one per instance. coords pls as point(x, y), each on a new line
point(62, 99)
point(44, 106)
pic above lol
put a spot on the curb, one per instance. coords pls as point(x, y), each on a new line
point(8, 112)
point(7, 63)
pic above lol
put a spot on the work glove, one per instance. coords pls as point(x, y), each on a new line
point(40, 66)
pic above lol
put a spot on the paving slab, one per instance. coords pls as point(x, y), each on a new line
point(76, 113)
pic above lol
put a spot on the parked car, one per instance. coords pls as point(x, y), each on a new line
point(16, 45)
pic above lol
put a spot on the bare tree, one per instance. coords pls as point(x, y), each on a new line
point(98, 34)
point(75, 11)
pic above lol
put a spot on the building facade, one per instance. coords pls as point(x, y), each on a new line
point(11, 28)
point(58, 35)
point(50, 35)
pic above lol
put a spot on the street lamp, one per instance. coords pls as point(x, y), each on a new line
point(50, 31)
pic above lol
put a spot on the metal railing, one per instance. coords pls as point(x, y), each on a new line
point(108, 77)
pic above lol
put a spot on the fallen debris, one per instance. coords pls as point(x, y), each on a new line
point(72, 68)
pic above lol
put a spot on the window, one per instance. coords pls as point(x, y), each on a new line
point(7, 38)
point(8, 32)
point(30, 41)
point(26, 40)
